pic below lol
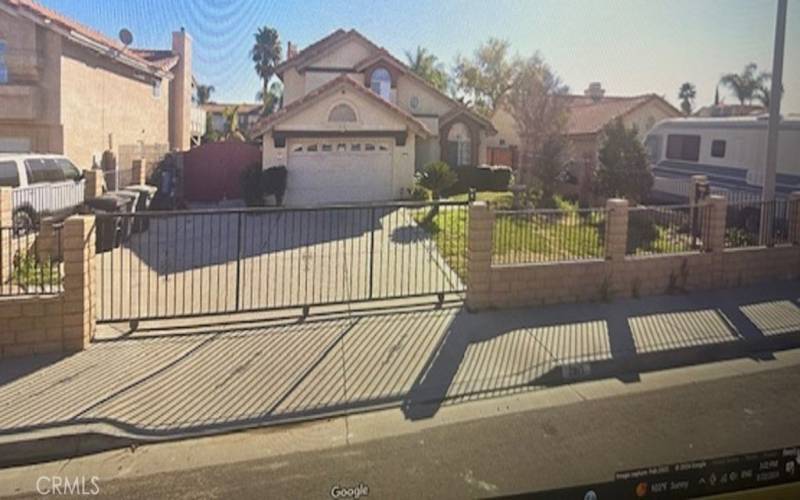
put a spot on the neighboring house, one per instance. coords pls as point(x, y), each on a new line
point(67, 89)
point(356, 123)
point(728, 110)
point(248, 115)
point(588, 114)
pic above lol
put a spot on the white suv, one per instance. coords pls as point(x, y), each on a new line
point(42, 184)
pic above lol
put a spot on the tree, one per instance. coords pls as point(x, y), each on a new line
point(204, 93)
point(487, 77)
point(273, 99)
point(427, 66)
point(623, 166)
point(232, 132)
point(266, 54)
point(437, 177)
point(687, 94)
point(762, 95)
point(537, 104)
point(744, 85)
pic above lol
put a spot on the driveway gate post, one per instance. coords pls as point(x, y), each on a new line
point(479, 256)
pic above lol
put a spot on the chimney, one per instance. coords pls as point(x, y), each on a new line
point(180, 93)
point(291, 50)
point(595, 91)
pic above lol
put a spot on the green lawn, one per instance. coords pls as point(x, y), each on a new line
point(536, 236)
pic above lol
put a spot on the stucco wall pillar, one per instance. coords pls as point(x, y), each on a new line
point(616, 233)
point(79, 282)
point(93, 184)
point(479, 256)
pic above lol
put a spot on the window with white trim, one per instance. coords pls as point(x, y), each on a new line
point(381, 83)
point(459, 146)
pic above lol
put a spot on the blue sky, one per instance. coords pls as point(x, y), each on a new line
point(632, 47)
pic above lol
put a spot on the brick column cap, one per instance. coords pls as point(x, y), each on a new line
point(613, 203)
point(699, 178)
point(794, 196)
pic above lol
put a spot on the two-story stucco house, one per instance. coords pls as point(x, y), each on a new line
point(66, 88)
point(356, 123)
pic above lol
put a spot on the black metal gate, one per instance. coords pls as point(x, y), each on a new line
point(155, 265)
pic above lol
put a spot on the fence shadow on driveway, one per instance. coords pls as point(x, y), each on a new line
point(162, 385)
point(174, 243)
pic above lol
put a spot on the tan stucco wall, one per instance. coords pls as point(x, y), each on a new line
point(29, 102)
point(345, 56)
point(429, 101)
point(506, 130)
point(98, 99)
point(294, 86)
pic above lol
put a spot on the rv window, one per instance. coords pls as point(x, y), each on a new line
point(718, 148)
point(9, 176)
point(653, 145)
point(683, 147)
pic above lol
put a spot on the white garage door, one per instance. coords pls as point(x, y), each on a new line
point(339, 171)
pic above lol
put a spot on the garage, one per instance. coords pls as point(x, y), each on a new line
point(339, 171)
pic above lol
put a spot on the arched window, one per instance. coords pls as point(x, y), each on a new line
point(342, 113)
point(381, 83)
point(459, 145)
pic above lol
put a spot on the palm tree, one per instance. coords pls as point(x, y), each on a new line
point(273, 99)
point(204, 93)
point(427, 66)
point(763, 95)
point(266, 54)
point(232, 133)
point(744, 85)
point(687, 94)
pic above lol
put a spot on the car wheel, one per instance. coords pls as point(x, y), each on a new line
point(24, 220)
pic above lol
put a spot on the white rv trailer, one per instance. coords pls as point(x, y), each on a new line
point(731, 152)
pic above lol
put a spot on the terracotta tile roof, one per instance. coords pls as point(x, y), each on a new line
point(71, 25)
point(164, 59)
point(265, 124)
point(220, 107)
point(589, 117)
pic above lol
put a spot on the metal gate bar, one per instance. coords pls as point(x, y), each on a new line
point(159, 265)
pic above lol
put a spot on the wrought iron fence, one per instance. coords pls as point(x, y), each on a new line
point(530, 236)
point(30, 263)
point(669, 229)
point(201, 262)
point(745, 220)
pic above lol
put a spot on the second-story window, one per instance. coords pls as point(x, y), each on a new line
point(381, 83)
point(3, 67)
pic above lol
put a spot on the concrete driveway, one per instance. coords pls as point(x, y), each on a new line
point(194, 264)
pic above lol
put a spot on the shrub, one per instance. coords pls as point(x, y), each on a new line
point(273, 182)
point(419, 193)
point(252, 185)
point(481, 178)
point(438, 177)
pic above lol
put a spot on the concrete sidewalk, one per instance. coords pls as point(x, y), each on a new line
point(162, 383)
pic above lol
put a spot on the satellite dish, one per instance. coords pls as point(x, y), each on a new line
point(125, 36)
